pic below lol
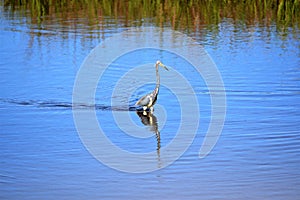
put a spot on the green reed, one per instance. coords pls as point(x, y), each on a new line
point(180, 14)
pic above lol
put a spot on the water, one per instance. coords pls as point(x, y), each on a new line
point(42, 156)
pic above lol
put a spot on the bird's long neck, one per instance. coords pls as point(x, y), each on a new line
point(157, 80)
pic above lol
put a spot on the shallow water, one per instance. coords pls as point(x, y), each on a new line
point(42, 156)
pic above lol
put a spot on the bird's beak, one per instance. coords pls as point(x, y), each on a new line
point(164, 66)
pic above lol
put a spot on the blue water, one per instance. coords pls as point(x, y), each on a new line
point(256, 157)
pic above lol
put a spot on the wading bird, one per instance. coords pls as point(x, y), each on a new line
point(148, 101)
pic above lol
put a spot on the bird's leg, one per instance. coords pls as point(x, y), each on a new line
point(144, 113)
point(151, 109)
point(144, 110)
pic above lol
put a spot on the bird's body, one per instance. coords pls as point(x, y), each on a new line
point(148, 101)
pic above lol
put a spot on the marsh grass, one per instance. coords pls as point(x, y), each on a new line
point(187, 15)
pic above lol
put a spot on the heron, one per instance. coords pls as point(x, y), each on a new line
point(148, 101)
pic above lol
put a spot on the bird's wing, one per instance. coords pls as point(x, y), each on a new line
point(144, 101)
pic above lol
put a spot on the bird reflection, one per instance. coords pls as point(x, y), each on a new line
point(149, 119)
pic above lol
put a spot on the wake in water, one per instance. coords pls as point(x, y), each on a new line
point(66, 105)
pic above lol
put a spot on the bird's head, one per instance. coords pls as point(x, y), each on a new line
point(158, 63)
